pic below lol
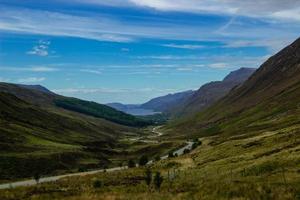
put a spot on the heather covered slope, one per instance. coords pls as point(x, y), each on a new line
point(268, 100)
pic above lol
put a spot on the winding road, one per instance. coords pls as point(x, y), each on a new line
point(32, 182)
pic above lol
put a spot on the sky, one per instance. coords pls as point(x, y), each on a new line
point(130, 51)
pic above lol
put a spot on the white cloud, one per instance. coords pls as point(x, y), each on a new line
point(4, 79)
point(218, 65)
point(41, 49)
point(187, 69)
point(92, 71)
point(107, 28)
point(31, 80)
point(68, 91)
point(125, 49)
point(184, 46)
point(29, 69)
point(274, 45)
point(168, 57)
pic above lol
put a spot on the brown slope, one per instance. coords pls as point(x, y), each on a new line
point(272, 92)
point(211, 92)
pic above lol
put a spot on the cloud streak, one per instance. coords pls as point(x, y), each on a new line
point(31, 80)
point(184, 46)
point(29, 69)
point(271, 9)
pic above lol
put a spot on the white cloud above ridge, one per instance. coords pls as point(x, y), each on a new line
point(31, 80)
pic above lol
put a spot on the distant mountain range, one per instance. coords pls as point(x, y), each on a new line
point(188, 102)
point(154, 106)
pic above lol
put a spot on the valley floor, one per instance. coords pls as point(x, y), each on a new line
point(261, 166)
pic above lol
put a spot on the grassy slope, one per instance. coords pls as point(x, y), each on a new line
point(265, 167)
point(30, 135)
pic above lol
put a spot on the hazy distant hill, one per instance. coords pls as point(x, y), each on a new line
point(157, 105)
point(268, 100)
point(164, 103)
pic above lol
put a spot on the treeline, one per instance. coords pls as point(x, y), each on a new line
point(101, 111)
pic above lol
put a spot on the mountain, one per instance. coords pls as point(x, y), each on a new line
point(36, 87)
point(268, 100)
point(157, 105)
point(164, 103)
point(188, 102)
point(44, 98)
point(212, 92)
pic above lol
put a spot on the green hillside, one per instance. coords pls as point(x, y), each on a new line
point(41, 97)
point(30, 135)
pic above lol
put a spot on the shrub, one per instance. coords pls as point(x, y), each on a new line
point(195, 140)
point(171, 155)
point(158, 179)
point(196, 144)
point(81, 169)
point(148, 176)
point(131, 164)
point(186, 151)
point(143, 161)
point(37, 177)
point(157, 158)
point(97, 183)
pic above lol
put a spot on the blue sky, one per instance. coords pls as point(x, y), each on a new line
point(132, 50)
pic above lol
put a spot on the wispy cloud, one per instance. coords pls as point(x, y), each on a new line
point(41, 49)
point(31, 80)
point(168, 57)
point(29, 69)
point(110, 90)
point(92, 71)
point(4, 79)
point(184, 46)
point(273, 45)
point(218, 65)
point(283, 10)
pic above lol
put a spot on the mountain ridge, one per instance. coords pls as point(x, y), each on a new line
point(270, 95)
